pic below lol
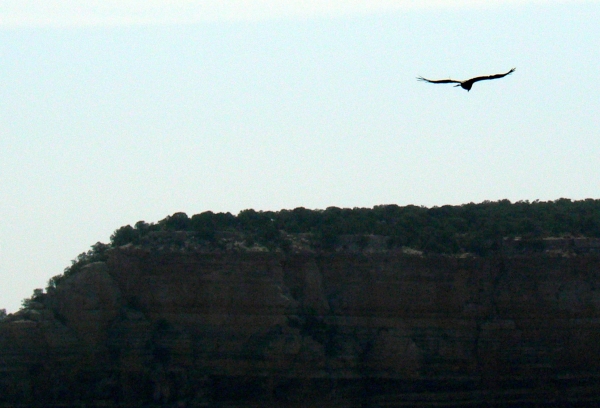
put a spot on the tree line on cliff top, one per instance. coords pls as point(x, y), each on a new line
point(474, 228)
point(448, 229)
point(469, 228)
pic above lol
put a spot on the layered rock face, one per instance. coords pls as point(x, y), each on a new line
point(347, 329)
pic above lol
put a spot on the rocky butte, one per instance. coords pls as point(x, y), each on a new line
point(361, 325)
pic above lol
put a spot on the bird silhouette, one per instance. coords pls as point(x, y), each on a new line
point(467, 84)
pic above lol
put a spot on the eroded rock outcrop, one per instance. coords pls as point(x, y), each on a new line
point(350, 328)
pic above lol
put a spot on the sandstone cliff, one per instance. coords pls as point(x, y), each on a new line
point(353, 328)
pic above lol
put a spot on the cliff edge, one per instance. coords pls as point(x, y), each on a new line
point(351, 328)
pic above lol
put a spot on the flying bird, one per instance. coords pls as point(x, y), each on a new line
point(467, 84)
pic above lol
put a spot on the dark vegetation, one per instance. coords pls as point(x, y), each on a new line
point(478, 229)
point(474, 228)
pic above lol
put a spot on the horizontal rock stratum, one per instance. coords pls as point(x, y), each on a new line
point(341, 329)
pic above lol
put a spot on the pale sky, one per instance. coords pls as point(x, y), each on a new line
point(118, 111)
point(101, 13)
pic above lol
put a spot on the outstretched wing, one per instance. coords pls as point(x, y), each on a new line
point(438, 81)
point(483, 78)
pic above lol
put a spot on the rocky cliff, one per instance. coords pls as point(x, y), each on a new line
point(352, 328)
